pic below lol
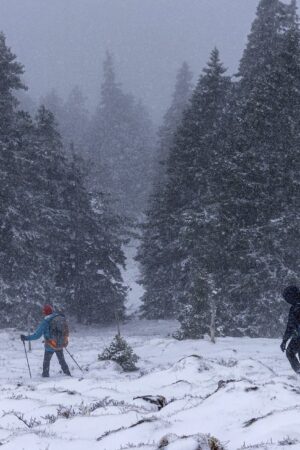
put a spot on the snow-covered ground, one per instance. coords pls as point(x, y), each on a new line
point(131, 276)
point(241, 391)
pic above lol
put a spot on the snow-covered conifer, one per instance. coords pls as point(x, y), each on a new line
point(154, 254)
point(262, 177)
point(121, 145)
point(120, 352)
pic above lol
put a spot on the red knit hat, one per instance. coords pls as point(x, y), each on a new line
point(47, 310)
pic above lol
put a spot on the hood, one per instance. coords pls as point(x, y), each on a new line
point(291, 295)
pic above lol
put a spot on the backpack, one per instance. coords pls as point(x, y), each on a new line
point(59, 332)
point(297, 320)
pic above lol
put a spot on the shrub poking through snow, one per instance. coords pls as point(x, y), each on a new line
point(201, 442)
point(215, 444)
point(120, 352)
point(66, 411)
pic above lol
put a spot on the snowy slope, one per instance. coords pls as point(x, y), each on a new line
point(131, 276)
point(241, 391)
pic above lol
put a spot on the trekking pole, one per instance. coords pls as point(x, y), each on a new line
point(27, 359)
point(74, 359)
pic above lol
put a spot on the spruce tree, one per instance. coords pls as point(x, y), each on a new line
point(153, 254)
point(29, 265)
point(121, 145)
point(194, 193)
point(42, 168)
point(11, 183)
point(59, 243)
point(262, 179)
point(89, 268)
point(120, 352)
point(10, 81)
point(173, 116)
point(53, 169)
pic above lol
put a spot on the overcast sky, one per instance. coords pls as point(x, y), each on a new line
point(62, 42)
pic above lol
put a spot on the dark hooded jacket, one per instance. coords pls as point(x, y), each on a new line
point(292, 296)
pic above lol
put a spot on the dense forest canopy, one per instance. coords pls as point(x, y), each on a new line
point(212, 193)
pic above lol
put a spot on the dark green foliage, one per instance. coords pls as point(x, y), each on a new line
point(16, 205)
point(245, 236)
point(60, 243)
point(89, 269)
point(120, 352)
point(197, 315)
point(186, 213)
point(172, 120)
point(10, 80)
point(193, 192)
point(223, 234)
point(155, 255)
point(263, 178)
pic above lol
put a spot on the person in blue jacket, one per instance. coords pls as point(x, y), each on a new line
point(44, 330)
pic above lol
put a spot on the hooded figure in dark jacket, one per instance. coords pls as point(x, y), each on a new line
point(291, 295)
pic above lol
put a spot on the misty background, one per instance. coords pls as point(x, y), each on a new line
point(63, 43)
point(192, 182)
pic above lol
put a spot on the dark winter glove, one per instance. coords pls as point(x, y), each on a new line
point(283, 346)
point(23, 337)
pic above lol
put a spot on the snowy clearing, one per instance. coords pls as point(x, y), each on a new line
point(131, 275)
point(241, 391)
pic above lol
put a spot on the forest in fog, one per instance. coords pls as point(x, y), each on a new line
point(210, 196)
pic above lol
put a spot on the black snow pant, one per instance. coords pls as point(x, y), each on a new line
point(292, 354)
point(61, 360)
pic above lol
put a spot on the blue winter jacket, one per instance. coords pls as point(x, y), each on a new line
point(43, 330)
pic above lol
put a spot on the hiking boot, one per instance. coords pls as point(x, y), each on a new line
point(45, 375)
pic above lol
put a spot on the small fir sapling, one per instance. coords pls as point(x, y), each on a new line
point(120, 352)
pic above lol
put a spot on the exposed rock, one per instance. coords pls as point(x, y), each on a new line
point(159, 400)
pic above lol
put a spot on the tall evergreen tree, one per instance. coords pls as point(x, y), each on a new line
point(10, 81)
point(10, 180)
point(121, 144)
point(90, 268)
point(153, 254)
point(263, 177)
point(37, 217)
point(59, 244)
point(173, 116)
point(193, 193)
point(82, 236)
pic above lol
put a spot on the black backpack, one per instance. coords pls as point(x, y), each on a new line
point(59, 332)
point(296, 313)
